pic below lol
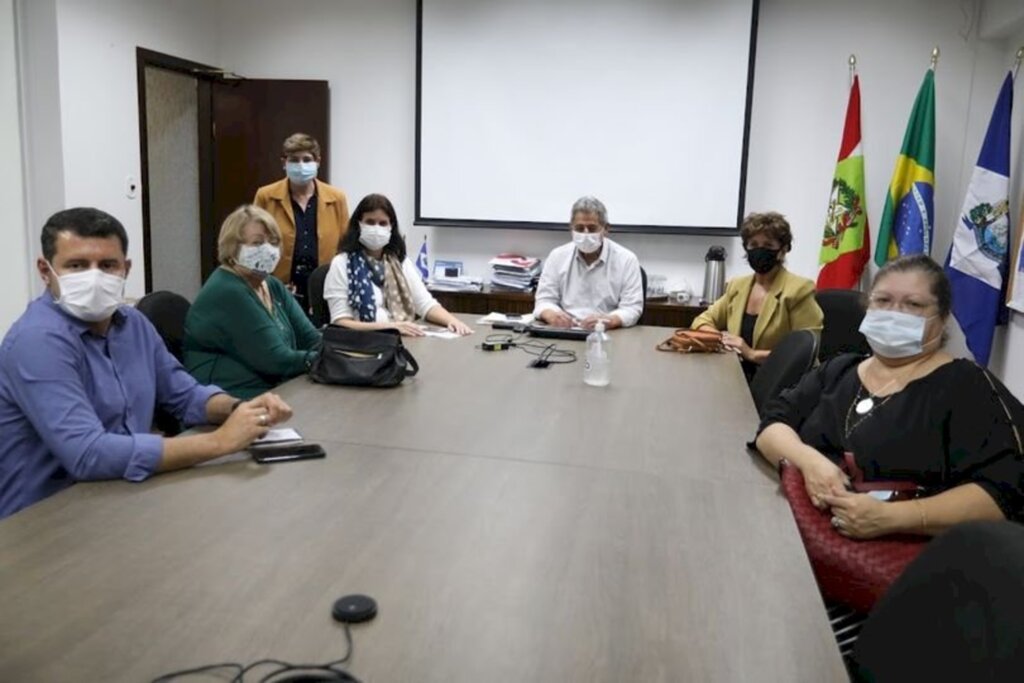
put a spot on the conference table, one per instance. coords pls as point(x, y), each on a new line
point(513, 524)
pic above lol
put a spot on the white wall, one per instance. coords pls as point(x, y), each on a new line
point(14, 275)
point(39, 90)
point(367, 52)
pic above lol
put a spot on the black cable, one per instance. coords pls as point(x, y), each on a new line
point(348, 650)
point(548, 352)
point(199, 670)
point(324, 672)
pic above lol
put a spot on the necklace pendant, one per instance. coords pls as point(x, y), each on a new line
point(864, 406)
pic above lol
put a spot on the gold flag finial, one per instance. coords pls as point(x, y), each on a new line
point(935, 57)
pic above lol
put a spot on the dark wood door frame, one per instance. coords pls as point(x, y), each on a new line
point(205, 76)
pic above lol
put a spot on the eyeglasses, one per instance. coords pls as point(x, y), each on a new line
point(887, 303)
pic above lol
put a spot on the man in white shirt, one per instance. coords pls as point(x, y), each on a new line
point(592, 278)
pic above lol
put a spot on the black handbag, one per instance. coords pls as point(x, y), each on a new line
point(362, 359)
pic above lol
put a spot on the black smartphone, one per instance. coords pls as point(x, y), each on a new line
point(294, 451)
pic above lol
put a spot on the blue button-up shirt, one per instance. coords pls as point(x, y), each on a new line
point(76, 406)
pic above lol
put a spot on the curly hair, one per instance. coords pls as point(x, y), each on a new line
point(770, 224)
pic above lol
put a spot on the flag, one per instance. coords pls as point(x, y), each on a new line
point(978, 261)
point(421, 260)
point(1015, 299)
point(846, 246)
point(906, 225)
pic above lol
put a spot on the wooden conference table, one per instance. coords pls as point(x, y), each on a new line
point(513, 525)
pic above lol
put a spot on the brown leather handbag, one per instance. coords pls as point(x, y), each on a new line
point(693, 341)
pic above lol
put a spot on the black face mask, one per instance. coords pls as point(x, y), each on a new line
point(762, 259)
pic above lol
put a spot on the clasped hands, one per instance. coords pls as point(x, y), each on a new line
point(251, 420)
point(563, 319)
point(855, 515)
point(735, 343)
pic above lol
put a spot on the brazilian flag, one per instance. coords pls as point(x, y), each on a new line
point(907, 220)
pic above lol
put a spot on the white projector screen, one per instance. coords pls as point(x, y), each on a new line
point(525, 105)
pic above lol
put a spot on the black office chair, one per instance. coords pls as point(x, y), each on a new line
point(844, 310)
point(786, 364)
point(167, 311)
point(319, 313)
point(954, 613)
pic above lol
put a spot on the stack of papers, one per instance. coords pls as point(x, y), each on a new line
point(511, 319)
point(513, 272)
point(462, 283)
point(281, 435)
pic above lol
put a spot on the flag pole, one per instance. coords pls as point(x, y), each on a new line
point(1016, 64)
point(853, 67)
point(935, 58)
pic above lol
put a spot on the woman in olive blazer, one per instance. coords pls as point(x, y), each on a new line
point(758, 310)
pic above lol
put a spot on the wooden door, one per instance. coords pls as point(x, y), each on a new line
point(249, 119)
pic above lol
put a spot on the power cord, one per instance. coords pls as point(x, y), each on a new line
point(285, 671)
point(547, 353)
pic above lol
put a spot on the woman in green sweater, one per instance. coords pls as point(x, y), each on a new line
point(245, 332)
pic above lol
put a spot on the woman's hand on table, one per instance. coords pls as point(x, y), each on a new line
point(736, 344)
point(407, 329)
point(460, 328)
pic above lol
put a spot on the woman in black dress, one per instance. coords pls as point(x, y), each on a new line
point(909, 412)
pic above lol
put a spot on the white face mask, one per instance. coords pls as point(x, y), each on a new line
point(90, 295)
point(374, 237)
point(587, 242)
point(259, 258)
point(894, 334)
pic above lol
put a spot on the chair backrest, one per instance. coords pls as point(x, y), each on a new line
point(167, 311)
point(841, 331)
point(786, 364)
point(319, 314)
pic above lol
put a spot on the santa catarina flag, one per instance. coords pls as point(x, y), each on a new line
point(846, 244)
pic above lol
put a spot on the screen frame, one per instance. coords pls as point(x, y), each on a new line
point(420, 219)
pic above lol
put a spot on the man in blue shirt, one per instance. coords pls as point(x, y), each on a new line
point(81, 375)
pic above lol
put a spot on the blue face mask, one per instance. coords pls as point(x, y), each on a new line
point(894, 334)
point(300, 172)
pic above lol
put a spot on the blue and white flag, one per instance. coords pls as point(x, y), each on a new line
point(421, 260)
point(978, 261)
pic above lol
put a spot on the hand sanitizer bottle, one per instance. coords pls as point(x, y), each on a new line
point(597, 367)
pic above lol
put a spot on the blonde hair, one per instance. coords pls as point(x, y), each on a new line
point(231, 230)
point(300, 142)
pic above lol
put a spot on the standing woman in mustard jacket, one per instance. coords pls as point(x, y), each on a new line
point(311, 215)
point(758, 310)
